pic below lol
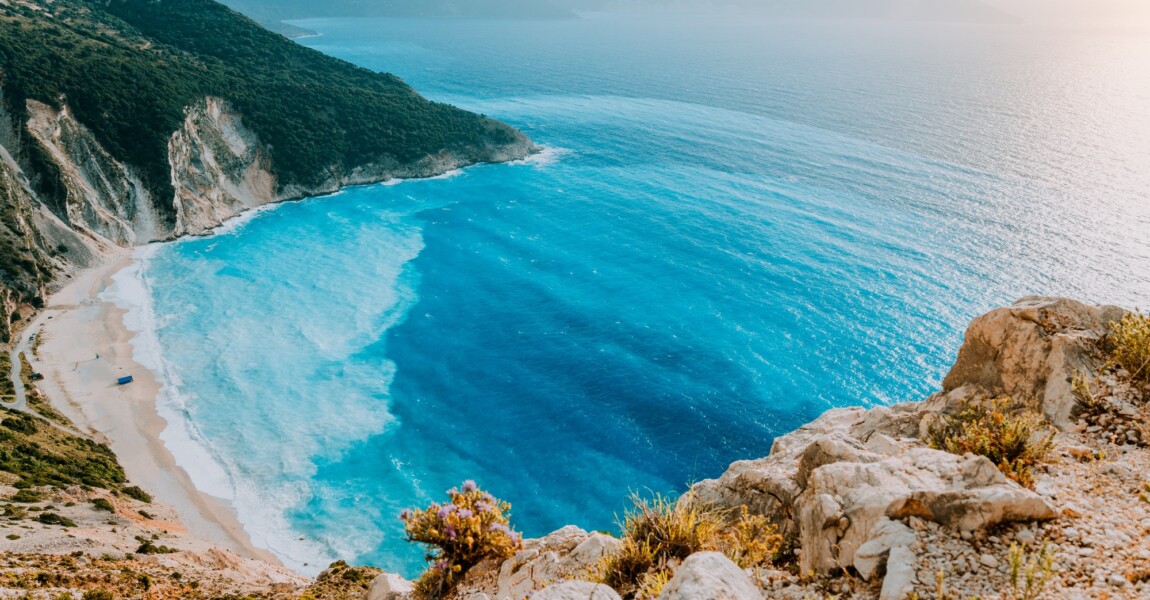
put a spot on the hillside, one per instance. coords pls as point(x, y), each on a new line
point(130, 121)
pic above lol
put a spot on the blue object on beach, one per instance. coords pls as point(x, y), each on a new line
point(124, 380)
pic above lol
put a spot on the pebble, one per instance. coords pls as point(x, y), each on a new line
point(988, 561)
point(1025, 536)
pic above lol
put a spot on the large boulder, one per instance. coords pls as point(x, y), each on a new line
point(769, 486)
point(566, 554)
point(576, 590)
point(389, 586)
point(710, 576)
point(1031, 351)
point(843, 502)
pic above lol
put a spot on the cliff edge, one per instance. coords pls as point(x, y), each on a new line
point(879, 504)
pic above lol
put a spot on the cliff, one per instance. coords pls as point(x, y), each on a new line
point(872, 503)
point(134, 121)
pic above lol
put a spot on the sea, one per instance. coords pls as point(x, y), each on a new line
point(733, 226)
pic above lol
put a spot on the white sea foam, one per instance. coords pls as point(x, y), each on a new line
point(547, 156)
point(132, 293)
point(445, 175)
point(241, 220)
point(265, 481)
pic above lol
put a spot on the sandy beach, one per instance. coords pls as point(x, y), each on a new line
point(84, 347)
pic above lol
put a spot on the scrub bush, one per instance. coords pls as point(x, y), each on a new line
point(1129, 345)
point(660, 532)
point(472, 527)
point(1014, 438)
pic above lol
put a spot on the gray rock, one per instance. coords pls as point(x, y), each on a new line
point(900, 579)
point(1031, 351)
point(576, 590)
point(965, 493)
point(710, 576)
point(887, 534)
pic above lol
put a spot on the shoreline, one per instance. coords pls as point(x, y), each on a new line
point(75, 327)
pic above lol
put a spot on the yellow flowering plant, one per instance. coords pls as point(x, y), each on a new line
point(472, 527)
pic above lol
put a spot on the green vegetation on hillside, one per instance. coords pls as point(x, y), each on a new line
point(129, 68)
point(39, 454)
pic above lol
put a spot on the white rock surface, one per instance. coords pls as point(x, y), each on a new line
point(710, 576)
point(389, 586)
point(899, 581)
point(886, 535)
point(576, 590)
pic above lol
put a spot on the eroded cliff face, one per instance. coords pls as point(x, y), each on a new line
point(219, 168)
point(104, 199)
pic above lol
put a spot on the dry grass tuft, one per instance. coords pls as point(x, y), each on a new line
point(659, 533)
point(1129, 345)
point(1013, 437)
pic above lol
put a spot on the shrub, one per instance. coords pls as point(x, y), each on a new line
point(150, 548)
point(98, 595)
point(660, 532)
point(1129, 345)
point(27, 496)
point(1014, 438)
point(473, 526)
point(49, 518)
point(135, 492)
point(103, 504)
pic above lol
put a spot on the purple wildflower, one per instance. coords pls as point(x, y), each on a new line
point(469, 485)
point(487, 497)
point(445, 510)
point(450, 531)
point(405, 515)
point(482, 506)
point(499, 527)
point(440, 565)
point(464, 513)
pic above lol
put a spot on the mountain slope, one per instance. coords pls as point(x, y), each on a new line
point(127, 121)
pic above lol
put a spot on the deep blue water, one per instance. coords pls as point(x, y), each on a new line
point(735, 227)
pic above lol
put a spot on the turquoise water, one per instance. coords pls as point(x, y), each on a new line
point(734, 227)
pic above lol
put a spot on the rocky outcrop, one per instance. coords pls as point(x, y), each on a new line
point(565, 555)
point(859, 489)
point(1031, 351)
point(837, 482)
point(103, 197)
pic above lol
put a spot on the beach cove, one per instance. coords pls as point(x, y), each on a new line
point(83, 347)
point(707, 274)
